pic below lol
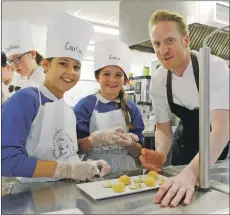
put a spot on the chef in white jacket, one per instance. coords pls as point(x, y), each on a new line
point(44, 145)
point(21, 54)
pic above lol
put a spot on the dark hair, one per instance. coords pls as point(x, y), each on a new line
point(49, 59)
point(3, 60)
point(125, 108)
point(38, 58)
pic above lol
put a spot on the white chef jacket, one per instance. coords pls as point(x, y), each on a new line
point(184, 89)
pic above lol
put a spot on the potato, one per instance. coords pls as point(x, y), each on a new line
point(125, 179)
point(119, 187)
point(153, 174)
point(149, 181)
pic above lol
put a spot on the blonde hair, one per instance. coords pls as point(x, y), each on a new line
point(167, 15)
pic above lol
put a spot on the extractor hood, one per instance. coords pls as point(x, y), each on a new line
point(202, 18)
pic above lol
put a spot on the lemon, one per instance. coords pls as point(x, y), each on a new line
point(153, 174)
point(125, 179)
point(119, 187)
point(149, 181)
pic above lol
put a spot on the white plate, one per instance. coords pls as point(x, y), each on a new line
point(96, 190)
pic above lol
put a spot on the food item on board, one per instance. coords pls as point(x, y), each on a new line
point(149, 181)
point(119, 187)
point(108, 185)
point(162, 181)
point(153, 174)
point(139, 179)
point(125, 179)
point(136, 187)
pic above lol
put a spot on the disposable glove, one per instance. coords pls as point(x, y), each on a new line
point(76, 170)
point(106, 136)
point(127, 139)
point(103, 167)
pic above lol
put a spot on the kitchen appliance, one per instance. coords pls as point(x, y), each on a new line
point(142, 89)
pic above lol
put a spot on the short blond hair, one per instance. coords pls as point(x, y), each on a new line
point(167, 15)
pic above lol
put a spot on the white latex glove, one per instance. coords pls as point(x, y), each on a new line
point(176, 188)
point(103, 166)
point(106, 136)
point(78, 170)
point(127, 139)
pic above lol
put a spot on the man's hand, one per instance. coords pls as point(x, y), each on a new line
point(176, 188)
point(152, 160)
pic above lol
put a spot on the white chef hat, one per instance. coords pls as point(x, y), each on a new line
point(68, 36)
point(112, 52)
point(16, 37)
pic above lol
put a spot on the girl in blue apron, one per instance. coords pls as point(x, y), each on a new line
point(100, 116)
point(39, 141)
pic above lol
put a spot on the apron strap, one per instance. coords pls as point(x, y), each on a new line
point(195, 67)
point(169, 87)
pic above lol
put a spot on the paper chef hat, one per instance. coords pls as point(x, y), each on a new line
point(16, 37)
point(68, 36)
point(112, 52)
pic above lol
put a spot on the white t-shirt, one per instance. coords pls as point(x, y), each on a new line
point(185, 91)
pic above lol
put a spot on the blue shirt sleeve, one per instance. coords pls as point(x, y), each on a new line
point(137, 122)
point(18, 114)
point(83, 111)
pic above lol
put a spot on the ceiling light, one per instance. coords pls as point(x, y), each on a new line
point(97, 26)
point(106, 30)
point(91, 47)
point(91, 42)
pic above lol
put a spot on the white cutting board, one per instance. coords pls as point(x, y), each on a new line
point(96, 190)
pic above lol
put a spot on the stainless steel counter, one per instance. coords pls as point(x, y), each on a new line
point(53, 196)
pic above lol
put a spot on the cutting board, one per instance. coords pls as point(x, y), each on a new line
point(97, 191)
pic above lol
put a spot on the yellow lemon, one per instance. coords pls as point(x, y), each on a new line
point(119, 187)
point(153, 174)
point(149, 182)
point(125, 179)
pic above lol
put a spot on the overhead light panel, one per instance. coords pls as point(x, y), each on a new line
point(106, 30)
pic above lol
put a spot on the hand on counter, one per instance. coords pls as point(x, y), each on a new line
point(177, 188)
point(152, 160)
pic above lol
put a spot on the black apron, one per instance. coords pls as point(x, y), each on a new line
point(186, 137)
